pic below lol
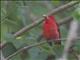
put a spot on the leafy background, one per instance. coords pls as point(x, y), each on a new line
point(18, 14)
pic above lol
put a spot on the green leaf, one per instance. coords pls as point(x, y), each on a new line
point(56, 2)
point(76, 15)
point(36, 54)
point(8, 49)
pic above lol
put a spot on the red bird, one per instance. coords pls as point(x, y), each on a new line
point(51, 30)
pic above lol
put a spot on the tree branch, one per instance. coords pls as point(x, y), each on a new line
point(2, 44)
point(37, 44)
point(30, 46)
point(63, 21)
point(70, 40)
point(27, 28)
point(54, 11)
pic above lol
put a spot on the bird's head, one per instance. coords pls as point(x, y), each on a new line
point(46, 17)
point(49, 18)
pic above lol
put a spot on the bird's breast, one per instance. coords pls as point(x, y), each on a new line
point(50, 31)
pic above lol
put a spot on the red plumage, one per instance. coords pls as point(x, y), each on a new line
point(51, 30)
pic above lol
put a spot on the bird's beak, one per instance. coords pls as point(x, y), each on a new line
point(45, 16)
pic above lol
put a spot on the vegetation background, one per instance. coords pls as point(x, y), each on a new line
point(17, 14)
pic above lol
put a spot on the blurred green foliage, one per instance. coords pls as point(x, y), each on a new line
point(17, 14)
point(77, 13)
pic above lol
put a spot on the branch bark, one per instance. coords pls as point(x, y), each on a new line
point(27, 28)
point(70, 40)
point(30, 46)
point(2, 44)
point(40, 43)
point(54, 11)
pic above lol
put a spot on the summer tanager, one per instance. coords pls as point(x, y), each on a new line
point(51, 30)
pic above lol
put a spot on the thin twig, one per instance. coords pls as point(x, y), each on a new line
point(54, 11)
point(65, 20)
point(60, 23)
point(35, 24)
point(24, 48)
point(30, 46)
